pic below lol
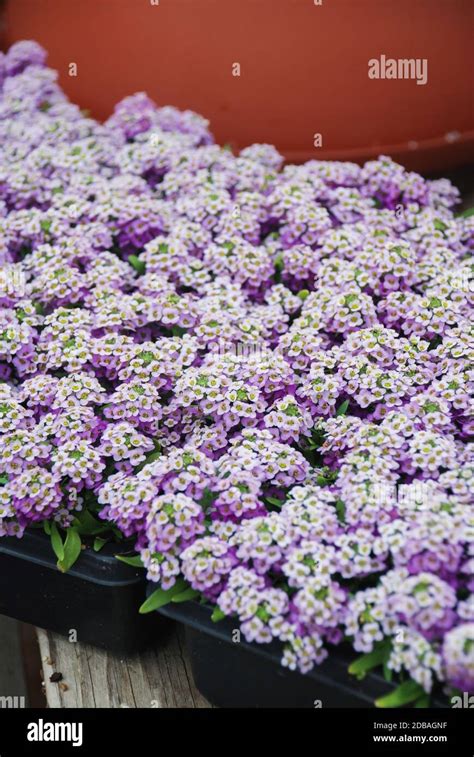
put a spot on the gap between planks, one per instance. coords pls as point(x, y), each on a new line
point(157, 678)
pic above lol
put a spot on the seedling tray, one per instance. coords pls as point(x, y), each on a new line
point(95, 602)
point(237, 674)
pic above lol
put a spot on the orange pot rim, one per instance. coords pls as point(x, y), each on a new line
point(360, 154)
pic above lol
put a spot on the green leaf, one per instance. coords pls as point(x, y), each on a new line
point(138, 264)
point(72, 549)
point(118, 535)
point(217, 615)
point(57, 542)
point(303, 294)
point(342, 409)
point(185, 595)
point(207, 499)
point(317, 439)
point(274, 501)
point(99, 543)
point(422, 702)
point(161, 597)
point(85, 517)
point(387, 673)
point(371, 660)
point(135, 561)
point(279, 262)
point(87, 525)
point(279, 265)
point(47, 527)
point(341, 511)
point(151, 458)
point(407, 692)
point(466, 213)
point(435, 342)
point(3, 479)
point(157, 599)
point(178, 331)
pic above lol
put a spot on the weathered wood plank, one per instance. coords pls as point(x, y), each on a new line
point(12, 683)
point(158, 678)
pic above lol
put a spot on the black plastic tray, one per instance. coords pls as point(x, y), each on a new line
point(98, 597)
point(239, 674)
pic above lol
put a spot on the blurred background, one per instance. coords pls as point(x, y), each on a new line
point(303, 69)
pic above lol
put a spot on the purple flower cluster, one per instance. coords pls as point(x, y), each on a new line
point(261, 374)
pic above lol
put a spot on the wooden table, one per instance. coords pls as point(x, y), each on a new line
point(91, 677)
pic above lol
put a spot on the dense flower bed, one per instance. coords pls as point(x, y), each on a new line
point(260, 374)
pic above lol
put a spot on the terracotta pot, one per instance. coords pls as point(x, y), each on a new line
point(303, 69)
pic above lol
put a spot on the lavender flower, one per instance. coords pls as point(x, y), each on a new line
point(260, 373)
